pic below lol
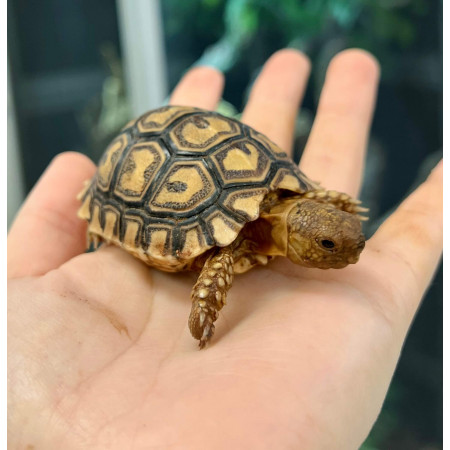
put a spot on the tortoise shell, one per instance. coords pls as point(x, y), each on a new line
point(178, 181)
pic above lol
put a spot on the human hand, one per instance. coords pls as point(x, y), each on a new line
point(100, 355)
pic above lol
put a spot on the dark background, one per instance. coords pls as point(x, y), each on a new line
point(65, 60)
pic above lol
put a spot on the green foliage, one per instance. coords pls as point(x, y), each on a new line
point(305, 24)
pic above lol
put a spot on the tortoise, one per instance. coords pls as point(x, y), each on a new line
point(183, 188)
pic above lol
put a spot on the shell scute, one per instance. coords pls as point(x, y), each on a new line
point(222, 227)
point(159, 119)
point(141, 164)
point(269, 145)
point(109, 161)
point(244, 202)
point(193, 241)
point(241, 161)
point(186, 187)
point(198, 133)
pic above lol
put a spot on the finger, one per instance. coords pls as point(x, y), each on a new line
point(201, 87)
point(46, 231)
point(276, 95)
point(335, 151)
point(410, 242)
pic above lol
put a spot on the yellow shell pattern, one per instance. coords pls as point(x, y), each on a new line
point(178, 181)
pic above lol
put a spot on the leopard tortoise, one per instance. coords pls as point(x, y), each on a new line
point(182, 188)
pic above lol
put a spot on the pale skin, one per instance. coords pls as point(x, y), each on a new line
point(100, 355)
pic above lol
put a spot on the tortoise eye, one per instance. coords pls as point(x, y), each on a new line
point(327, 243)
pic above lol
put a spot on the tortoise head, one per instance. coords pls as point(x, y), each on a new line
point(321, 236)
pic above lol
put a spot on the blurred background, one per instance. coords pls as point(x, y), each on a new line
point(78, 70)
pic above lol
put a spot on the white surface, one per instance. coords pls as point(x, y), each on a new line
point(142, 39)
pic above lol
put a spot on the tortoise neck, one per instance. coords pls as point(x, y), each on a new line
point(271, 229)
point(277, 217)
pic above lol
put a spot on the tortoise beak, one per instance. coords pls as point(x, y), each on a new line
point(357, 249)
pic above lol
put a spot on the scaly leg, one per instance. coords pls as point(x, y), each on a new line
point(210, 293)
point(246, 256)
point(340, 200)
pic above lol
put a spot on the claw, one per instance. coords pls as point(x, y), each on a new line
point(208, 331)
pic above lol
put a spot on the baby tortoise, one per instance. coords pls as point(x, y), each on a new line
point(187, 189)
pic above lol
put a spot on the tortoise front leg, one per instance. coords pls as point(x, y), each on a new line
point(209, 294)
point(340, 200)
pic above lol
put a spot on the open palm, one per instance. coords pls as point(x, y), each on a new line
point(100, 355)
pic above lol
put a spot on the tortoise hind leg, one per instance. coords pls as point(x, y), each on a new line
point(209, 294)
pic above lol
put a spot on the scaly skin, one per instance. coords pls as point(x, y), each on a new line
point(210, 293)
point(323, 237)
